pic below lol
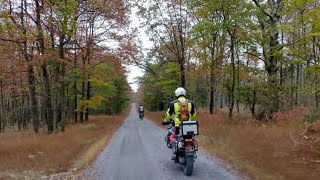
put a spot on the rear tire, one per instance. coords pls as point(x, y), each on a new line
point(188, 167)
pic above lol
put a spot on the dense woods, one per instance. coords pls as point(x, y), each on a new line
point(259, 56)
point(61, 61)
point(251, 67)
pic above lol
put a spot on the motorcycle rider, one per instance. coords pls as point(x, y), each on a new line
point(183, 109)
point(141, 110)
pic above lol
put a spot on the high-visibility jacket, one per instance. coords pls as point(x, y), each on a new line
point(174, 108)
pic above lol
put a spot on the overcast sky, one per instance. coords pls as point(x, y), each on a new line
point(134, 71)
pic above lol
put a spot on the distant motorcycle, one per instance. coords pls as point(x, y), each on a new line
point(184, 144)
point(141, 115)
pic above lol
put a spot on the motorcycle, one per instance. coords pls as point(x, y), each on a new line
point(184, 144)
point(141, 115)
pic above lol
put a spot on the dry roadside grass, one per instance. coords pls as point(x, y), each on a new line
point(80, 144)
point(286, 149)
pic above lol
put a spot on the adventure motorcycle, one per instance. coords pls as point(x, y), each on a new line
point(184, 144)
point(141, 115)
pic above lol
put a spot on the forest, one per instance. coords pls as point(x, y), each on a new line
point(251, 67)
point(61, 61)
point(257, 56)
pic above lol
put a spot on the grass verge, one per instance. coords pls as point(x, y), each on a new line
point(91, 154)
point(286, 149)
point(80, 144)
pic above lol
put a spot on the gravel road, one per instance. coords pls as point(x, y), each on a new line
point(137, 151)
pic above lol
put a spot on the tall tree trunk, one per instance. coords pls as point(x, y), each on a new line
point(55, 111)
point(296, 99)
point(75, 102)
point(317, 94)
point(271, 52)
point(233, 80)
point(24, 122)
point(82, 98)
point(182, 47)
point(317, 97)
point(48, 99)
point(212, 82)
point(2, 106)
point(182, 72)
point(61, 53)
point(15, 112)
point(253, 104)
point(221, 100)
point(211, 103)
point(48, 106)
point(238, 77)
point(212, 73)
point(314, 50)
point(88, 58)
point(31, 77)
point(67, 114)
point(88, 98)
point(272, 68)
point(82, 90)
point(31, 81)
point(75, 87)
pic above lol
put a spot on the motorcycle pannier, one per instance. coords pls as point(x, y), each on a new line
point(189, 128)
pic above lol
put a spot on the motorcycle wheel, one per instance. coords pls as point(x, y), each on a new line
point(188, 167)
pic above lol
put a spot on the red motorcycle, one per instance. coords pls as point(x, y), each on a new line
point(184, 144)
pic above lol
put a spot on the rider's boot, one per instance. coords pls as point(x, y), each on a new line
point(174, 152)
point(173, 157)
point(168, 142)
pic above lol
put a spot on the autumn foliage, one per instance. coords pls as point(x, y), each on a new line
point(257, 56)
point(56, 65)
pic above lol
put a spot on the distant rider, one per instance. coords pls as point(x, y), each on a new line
point(183, 109)
point(141, 111)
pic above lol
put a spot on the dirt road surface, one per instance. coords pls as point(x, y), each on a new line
point(137, 151)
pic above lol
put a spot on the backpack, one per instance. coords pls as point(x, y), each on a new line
point(183, 111)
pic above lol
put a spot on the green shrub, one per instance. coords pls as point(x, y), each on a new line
point(311, 117)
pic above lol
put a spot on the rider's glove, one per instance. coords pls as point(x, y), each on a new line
point(165, 123)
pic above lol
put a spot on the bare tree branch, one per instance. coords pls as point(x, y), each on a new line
point(263, 10)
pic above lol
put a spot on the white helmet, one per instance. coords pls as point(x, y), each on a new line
point(180, 92)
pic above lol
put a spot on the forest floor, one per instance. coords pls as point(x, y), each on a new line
point(24, 155)
point(286, 148)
